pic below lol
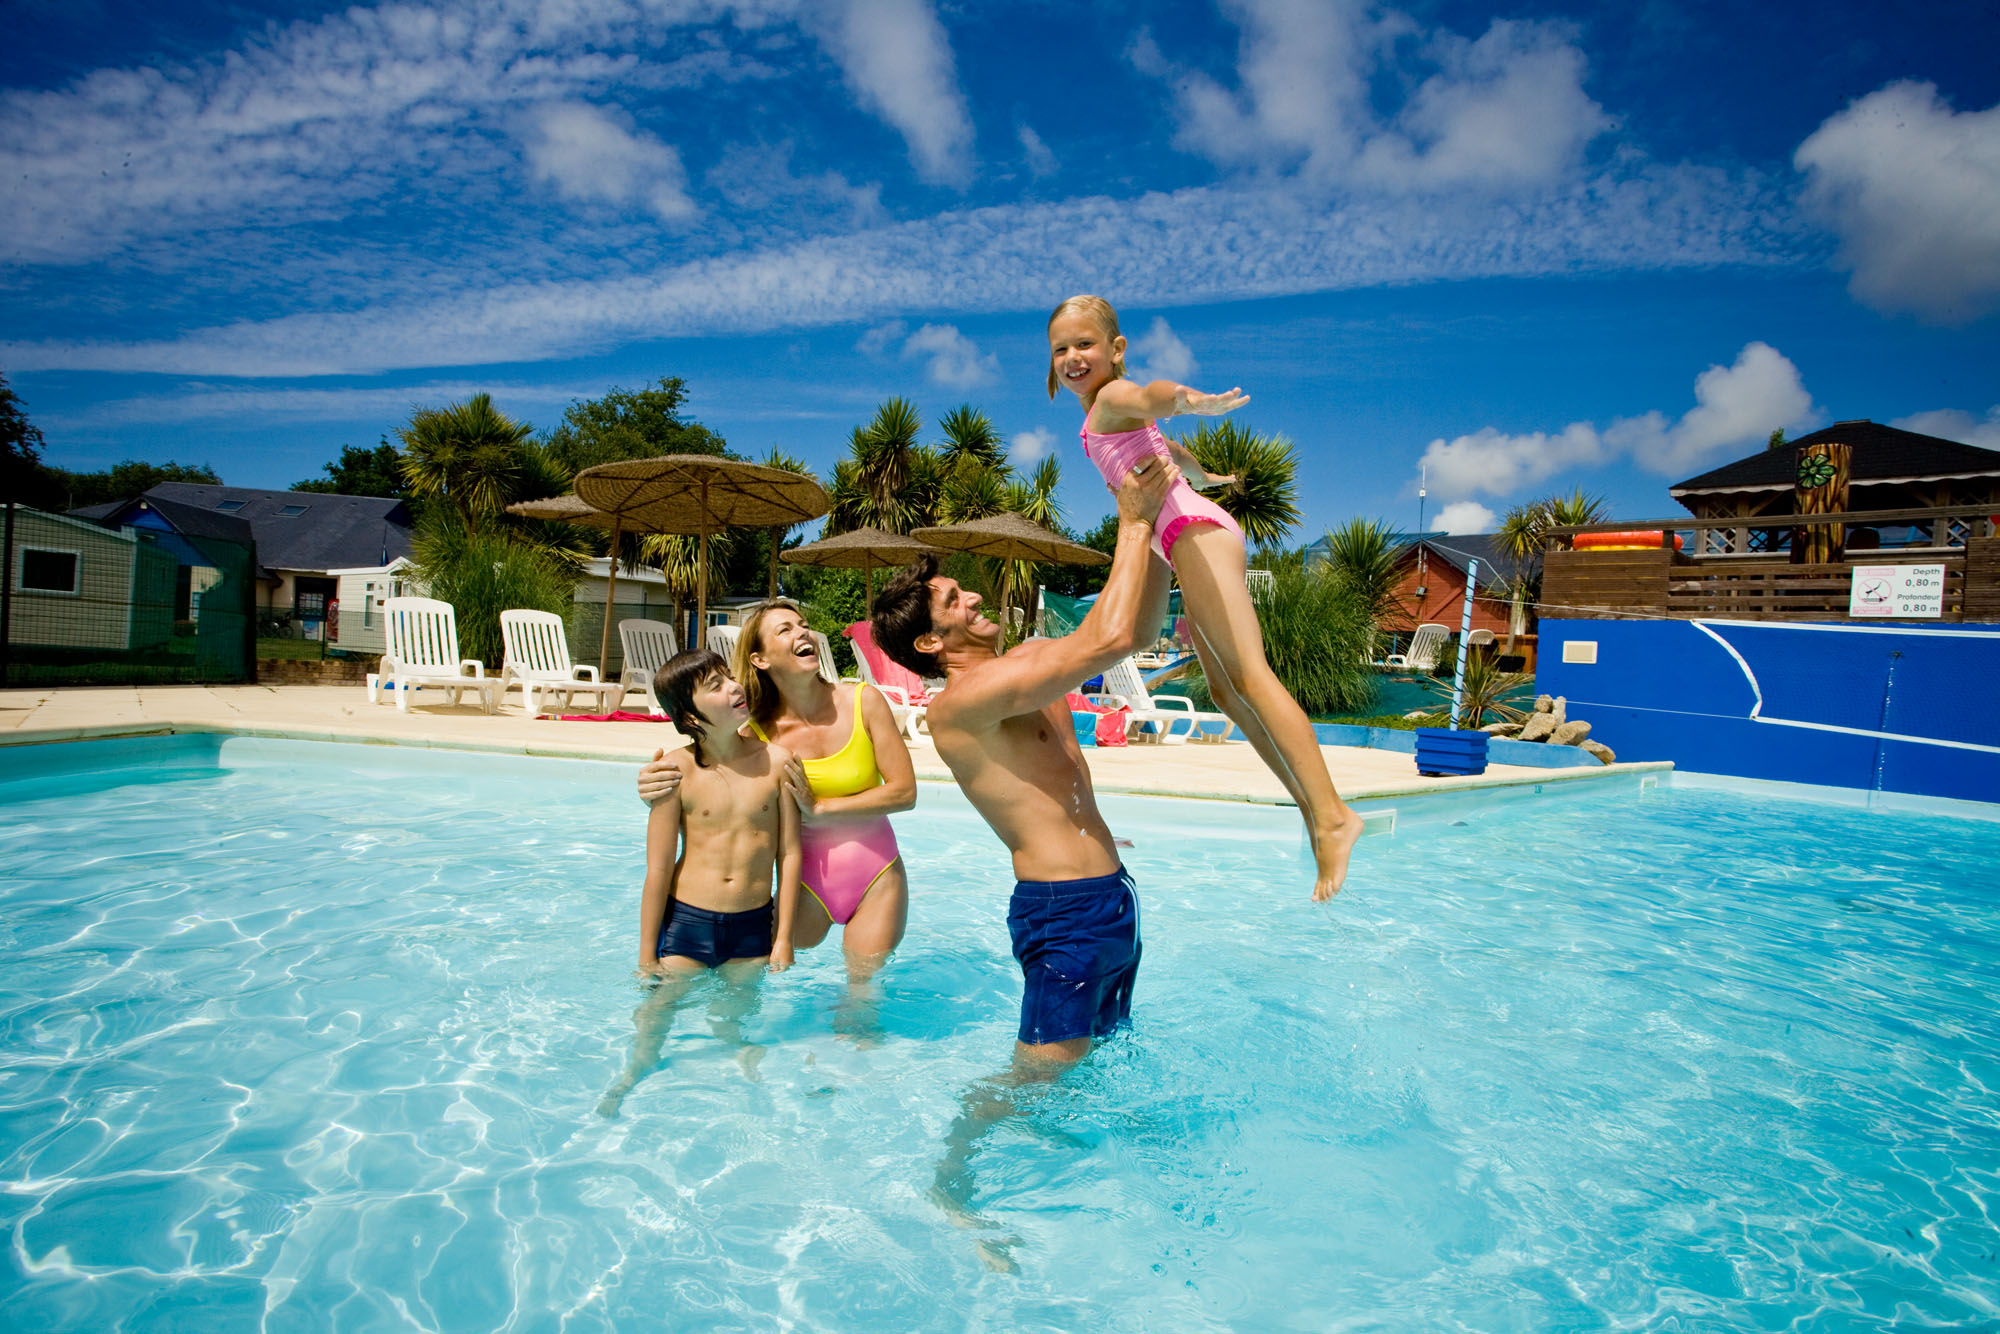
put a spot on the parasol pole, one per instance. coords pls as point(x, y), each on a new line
point(610, 600)
point(701, 576)
point(771, 585)
point(868, 580)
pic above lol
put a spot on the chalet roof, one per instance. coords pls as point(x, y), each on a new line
point(294, 530)
point(1462, 549)
point(1882, 454)
point(187, 520)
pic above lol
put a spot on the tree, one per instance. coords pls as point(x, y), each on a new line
point(969, 434)
point(1777, 439)
point(57, 489)
point(20, 444)
point(1363, 552)
point(631, 424)
point(1264, 497)
point(1524, 532)
point(474, 460)
point(360, 471)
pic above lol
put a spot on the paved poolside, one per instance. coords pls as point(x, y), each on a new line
point(343, 713)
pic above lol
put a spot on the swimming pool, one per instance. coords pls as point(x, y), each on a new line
point(313, 1036)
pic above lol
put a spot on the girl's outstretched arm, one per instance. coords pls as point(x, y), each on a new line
point(1165, 398)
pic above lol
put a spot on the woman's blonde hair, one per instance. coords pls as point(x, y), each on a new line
point(759, 690)
point(1097, 308)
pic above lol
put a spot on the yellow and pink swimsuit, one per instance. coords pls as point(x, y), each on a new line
point(842, 862)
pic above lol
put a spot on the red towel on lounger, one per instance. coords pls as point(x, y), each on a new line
point(1110, 722)
point(621, 716)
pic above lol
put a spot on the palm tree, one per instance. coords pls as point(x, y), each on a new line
point(1264, 497)
point(778, 458)
point(470, 456)
point(884, 447)
point(1523, 534)
point(969, 433)
point(1364, 554)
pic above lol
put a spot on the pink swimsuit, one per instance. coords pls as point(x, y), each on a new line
point(1114, 455)
point(842, 862)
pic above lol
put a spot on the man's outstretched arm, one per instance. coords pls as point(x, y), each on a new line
point(1037, 675)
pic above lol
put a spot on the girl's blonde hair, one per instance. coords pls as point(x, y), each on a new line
point(1097, 308)
point(759, 690)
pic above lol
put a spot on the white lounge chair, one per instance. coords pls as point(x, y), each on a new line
point(647, 645)
point(1422, 654)
point(1123, 685)
point(422, 637)
point(827, 671)
point(538, 661)
point(721, 641)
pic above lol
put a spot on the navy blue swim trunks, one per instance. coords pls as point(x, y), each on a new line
point(712, 938)
point(1078, 944)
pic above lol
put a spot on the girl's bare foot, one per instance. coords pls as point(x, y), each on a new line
point(1332, 846)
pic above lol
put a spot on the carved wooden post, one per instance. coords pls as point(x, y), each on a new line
point(1821, 488)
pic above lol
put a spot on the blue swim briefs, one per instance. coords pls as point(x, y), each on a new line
point(1078, 944)
point(712, 938)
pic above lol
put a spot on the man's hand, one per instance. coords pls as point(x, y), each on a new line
point(659, 779)
point(1193, 403)
point(1144, 490)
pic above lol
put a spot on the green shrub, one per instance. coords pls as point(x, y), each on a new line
point(1317, 628)
point(482, 573)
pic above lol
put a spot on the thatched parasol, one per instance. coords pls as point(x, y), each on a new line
point(1011, 537)
point(699, 494)
point(864, 549)
point(571, 509)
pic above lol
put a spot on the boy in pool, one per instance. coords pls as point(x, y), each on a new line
point(716, 846)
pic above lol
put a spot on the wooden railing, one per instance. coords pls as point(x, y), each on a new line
point(1736, 584)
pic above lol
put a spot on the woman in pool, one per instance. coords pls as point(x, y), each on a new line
point(853, 772)
point(1204, 547)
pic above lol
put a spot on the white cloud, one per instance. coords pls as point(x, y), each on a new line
point(1505, 110)
point(1465, 516)
point(1497, 463)
point(1736, 406)
point(319, 119)
point(877, 341)
point(1041, 161)
point(1187, 248)
point(390, 404)
point(588, 156)
point(1030, 447)
point(954, 360)
point(759, 179)
point(898, 62)
point(1912, 189)
point(1956, 424)
point(1159, 354)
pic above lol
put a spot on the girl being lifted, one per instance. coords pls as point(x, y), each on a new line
point(1204, 548)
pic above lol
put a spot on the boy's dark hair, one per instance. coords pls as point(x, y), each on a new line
point(674, 686)
point(903, 615)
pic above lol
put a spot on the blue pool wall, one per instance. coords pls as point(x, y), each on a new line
point(1890, 708)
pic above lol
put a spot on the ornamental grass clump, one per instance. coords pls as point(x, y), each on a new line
point(1317, 629)
point(483, 572)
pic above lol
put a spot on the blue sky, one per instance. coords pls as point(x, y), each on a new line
point(1530, 248)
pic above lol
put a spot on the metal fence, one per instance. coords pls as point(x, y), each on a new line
point(85, 604)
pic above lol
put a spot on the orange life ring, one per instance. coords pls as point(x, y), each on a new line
point(1637, 539)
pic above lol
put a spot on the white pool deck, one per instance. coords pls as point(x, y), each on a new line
point(1229, 772)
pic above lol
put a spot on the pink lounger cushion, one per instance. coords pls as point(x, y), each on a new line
point(887, 672)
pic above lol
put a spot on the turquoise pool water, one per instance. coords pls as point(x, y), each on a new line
point(306, 1037)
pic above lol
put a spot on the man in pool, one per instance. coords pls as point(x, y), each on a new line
point(1003, 727)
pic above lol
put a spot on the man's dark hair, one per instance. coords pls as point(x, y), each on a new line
point(674, 686)
point(903, 615)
